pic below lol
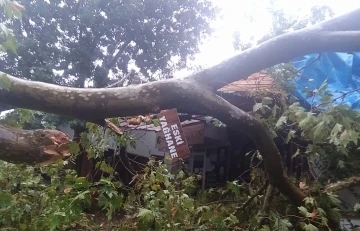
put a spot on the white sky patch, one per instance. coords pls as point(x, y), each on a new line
point(236, 18)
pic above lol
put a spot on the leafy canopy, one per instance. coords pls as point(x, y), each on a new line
point(91, 41)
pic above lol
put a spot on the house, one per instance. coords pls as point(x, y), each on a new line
point(219, 154)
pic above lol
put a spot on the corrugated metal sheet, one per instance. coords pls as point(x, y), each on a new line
point(150, 127)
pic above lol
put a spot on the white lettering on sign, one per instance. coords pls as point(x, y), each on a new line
point(172, 136)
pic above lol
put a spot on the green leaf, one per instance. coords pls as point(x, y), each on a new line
point(106, 182)
point(203, 208)
point(309, 201)
point(321, 211)
point(231, 219)
point(25, 115)
point(334, 140)
point(348, 136)
point(329, 119)
point(180, 175)
point(145, 214)
point(310, 227)
point(81, 182)
point(74, 147)
point(354, 136)
point(282, 120)
point(5, 82)
point(296, 153)
point(84, 140)
point(341, 164)
point(334, 199)
point(257, 107)
point(283, 224)
point(234, 187)
point(303, 211)
point(346, 121)
point(275, 110)
point(357, 207)
point(23, 226)
point(326, 98)
point(106, 168)
point(133, 144)
point(319, 131)
point(272, 134)
point(265, 228)
point(307, 122)
point(5, 199)
point(336, 129)
point(342, 150)
point(10, 44)
point(290, 135)
point(156, 122)
point(265, 108)
point(344, 138)
point(267, 100)
point(81, 196)
point(123, 140)
point(334, 214)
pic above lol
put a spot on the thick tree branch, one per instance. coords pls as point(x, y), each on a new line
point(353, 181)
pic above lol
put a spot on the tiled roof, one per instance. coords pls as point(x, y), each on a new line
point(256, 81)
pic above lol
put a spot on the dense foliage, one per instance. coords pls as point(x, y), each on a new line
point(100, 42)
point(92, 41)
point(158, 201)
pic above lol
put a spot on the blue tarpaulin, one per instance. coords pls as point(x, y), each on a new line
point(341, 70)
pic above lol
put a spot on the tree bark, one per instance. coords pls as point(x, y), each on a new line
point(196, 94)
point(347, 183)
point(32, 146)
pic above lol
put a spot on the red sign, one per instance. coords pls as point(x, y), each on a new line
point(174, 136)
point(194, 134)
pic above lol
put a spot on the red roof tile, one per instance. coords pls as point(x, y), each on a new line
point(256, 81)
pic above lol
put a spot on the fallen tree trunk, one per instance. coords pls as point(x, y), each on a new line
point(187, 96)
point(340, 34)
point(347, 183)
point(42, 146)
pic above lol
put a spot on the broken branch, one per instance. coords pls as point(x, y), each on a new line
point(42, 146)
point(343, 184)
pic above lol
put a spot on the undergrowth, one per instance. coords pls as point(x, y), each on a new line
point(158, 200)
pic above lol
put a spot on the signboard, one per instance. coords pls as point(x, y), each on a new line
point(194, 134)
point(173, 134)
